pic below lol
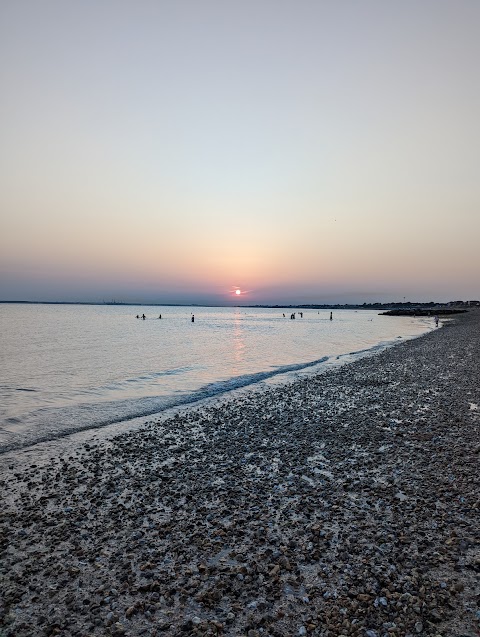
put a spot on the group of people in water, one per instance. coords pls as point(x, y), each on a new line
point(292, 316)
point(143, 317)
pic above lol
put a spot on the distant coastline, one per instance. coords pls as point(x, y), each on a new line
point(394, 306)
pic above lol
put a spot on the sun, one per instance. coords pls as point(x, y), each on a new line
point(236, 291)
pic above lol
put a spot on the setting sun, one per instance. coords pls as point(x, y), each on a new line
point(238, 292)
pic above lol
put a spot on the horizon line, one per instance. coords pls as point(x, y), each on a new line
point(259, 305)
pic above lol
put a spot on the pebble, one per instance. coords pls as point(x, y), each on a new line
point(266, 513)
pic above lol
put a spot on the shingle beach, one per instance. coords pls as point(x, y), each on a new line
point(342, 504)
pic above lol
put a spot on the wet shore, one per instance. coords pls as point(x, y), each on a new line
point(343, 504)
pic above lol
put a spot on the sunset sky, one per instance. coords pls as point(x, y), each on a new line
point(301, 151)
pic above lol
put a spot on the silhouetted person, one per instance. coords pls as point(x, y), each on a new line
point(331, 316)
point(284, 315)
point(138, 316)
point(143, 316)
point(193, 318)
point(301, 314)
point(436, 320)
point(160, 316)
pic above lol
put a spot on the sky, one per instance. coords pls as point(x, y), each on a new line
point(300, 151)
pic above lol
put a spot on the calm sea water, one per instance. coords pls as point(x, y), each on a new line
point(66, 368)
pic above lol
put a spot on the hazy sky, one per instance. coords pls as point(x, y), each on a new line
point(302, 151)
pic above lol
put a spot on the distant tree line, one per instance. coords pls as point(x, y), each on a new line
point(378, 306)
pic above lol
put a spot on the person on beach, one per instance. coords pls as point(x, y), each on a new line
point(143, 316)
point(138, 316)
point(193, 318)
point(331, 316)
point(160, 316)
point(436, 320)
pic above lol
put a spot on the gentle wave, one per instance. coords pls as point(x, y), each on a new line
point(137, 380)
point(96, 415)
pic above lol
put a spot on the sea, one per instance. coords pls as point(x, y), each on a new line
point(66, 368)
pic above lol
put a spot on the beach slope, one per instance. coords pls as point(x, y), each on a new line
point(342, 504)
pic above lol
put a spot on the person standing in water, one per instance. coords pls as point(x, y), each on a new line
point(193, 318)
point(436, 320)
point(331, 316)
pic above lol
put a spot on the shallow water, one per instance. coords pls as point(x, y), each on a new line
point(66, 368)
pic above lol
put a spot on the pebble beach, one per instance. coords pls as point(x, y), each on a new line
point(343, 504)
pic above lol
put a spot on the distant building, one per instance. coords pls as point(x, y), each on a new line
point(464, 304)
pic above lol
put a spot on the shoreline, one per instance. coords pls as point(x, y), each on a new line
point(18, 441)
point(340, 504)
